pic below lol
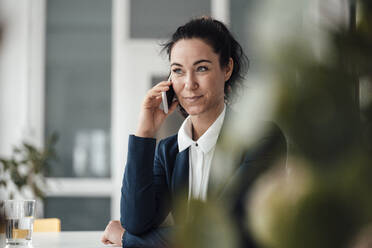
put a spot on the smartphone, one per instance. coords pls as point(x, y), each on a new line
point(167, 97)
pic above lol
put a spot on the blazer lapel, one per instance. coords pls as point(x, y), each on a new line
point(180, 177)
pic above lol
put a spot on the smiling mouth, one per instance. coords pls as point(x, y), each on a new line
point(192, 99)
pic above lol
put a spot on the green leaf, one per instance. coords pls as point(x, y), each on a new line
point(17, 150)
point(6, 164)
point(37, 191)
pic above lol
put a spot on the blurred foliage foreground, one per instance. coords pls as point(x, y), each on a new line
point(322, 198)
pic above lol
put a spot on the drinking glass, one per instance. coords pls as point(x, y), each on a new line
point(19, 222)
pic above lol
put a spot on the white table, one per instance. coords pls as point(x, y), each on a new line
point(68, 240)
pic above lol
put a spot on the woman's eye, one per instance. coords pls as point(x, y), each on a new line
point(202, 68)
point(177, 71)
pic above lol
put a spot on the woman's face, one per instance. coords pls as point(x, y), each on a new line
point(197, 76)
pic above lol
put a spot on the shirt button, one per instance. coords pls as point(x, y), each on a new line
point(196, 144)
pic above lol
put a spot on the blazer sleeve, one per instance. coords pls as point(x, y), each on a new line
point(145, 197)
point(156, 238)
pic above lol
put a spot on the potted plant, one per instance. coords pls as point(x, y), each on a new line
point(23, 173)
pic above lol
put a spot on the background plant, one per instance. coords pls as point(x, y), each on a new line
point(26, 168)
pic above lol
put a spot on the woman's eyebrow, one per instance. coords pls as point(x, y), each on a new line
point(195, 63)
point(201, 61)
point(176, 64)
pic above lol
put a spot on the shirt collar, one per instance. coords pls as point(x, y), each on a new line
point(207, 141)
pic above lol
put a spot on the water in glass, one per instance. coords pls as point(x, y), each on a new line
point(19, 221)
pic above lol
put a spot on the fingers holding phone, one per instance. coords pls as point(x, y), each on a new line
point(151, 116)
point(152, 99)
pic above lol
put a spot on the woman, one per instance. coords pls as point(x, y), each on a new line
point(207, 66)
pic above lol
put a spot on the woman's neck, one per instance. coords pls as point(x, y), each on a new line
point(201, 123)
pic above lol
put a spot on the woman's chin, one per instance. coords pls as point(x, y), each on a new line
point(194, 110)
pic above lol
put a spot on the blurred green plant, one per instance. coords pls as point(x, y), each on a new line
point(206, 225)
point(26, 168)
point(323, 199)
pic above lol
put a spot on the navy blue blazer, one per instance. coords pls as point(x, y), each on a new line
point(156, 175)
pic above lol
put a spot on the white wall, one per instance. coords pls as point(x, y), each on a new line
point(21, 73)
point(13, 74)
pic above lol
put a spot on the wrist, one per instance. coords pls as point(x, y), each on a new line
point(122, 236)
point(145, 134)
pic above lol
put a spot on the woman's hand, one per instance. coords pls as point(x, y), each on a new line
point(151, 117)
point(113, 233)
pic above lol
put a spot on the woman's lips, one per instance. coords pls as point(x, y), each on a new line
point(192, 98)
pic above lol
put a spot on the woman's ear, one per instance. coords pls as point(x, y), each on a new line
point(229, 69)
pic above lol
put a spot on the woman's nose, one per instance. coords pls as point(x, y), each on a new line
point(191, 82)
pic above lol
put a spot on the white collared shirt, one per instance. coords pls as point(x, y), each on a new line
point(200, 154)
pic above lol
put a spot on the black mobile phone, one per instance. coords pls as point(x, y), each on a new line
point(167, 97)
point(170, 95)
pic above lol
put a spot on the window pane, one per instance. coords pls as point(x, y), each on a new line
point(78, 86)
point(241, 23)
point(160, 18)
point(79, 213)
